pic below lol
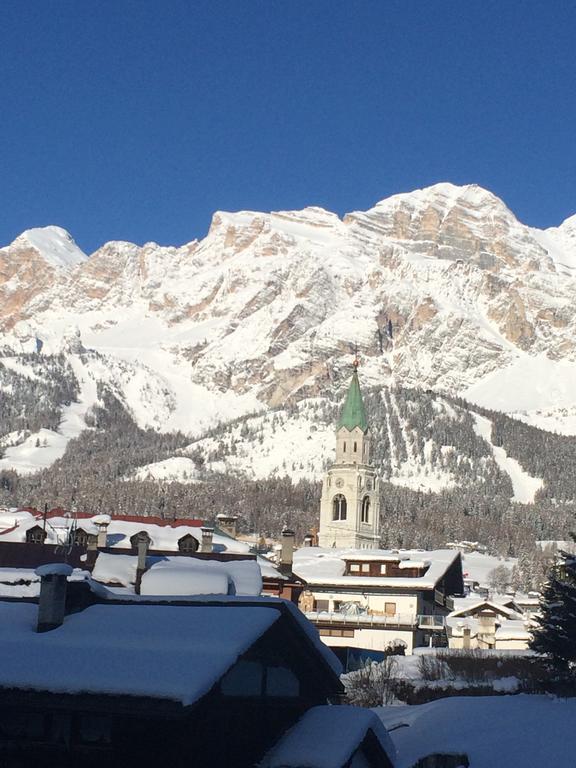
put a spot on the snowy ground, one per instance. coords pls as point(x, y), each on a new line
point(477, 566)
point(494, 731)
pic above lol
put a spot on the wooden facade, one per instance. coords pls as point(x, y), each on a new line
point(231, 726)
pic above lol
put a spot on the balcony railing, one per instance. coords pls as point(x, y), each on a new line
point(369, 620)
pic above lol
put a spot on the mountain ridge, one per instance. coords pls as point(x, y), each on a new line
point(441, 288)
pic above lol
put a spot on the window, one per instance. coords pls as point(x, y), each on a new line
point(390, 609)
point(325, 632)
point(81, 538)
point(339, 507)
point(365, 513)
point(244, 679)
point(253, 679)
point(354, 567)
point(281, 681)
point(365, 567)
point(344, 446)
point(355, 447)
point(137, 536)
point(187, 543)
point(321, 605)
point(383, 569)
point(35, 535)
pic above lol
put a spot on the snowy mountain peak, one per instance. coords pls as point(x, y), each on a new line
point(444, 197)
point(54, 244)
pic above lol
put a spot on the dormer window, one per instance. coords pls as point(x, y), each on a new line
point(35, 535)
point(141, 534)
point(187, 543)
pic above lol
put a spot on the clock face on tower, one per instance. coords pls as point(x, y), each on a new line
point(339, 483)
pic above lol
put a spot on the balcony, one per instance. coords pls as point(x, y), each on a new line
point(367, 621)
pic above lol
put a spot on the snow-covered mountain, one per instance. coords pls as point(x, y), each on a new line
point(441, 288)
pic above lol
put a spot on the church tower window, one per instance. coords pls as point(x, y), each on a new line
point(339, 507)
point(365, 514)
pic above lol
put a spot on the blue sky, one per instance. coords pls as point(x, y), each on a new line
point(137, 119)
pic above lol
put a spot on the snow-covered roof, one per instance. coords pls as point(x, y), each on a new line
point(481, 605)
point(164, 535)
point(327, 737)
point(168, 652)
point(512, 630)
point(178, 575)
point(327, 566)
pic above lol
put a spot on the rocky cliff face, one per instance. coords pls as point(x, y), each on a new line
point(440, 288)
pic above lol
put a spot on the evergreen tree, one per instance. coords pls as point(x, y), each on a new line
point(555, 634)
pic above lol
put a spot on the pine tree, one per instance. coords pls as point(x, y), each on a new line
point(555, 634)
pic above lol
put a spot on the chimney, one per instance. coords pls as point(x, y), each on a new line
point(466, 638)
point(102, 522)
point(52, 602)
point(207, 535)
point(287, 552)
point(143, 542)
point(227, 524)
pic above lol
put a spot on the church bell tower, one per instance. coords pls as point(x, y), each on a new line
point(350, 506)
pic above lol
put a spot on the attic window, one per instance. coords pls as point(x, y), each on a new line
point(81, 538)
point(35, 535)
point(136, 536)
point(251, 679)
point(187, 543)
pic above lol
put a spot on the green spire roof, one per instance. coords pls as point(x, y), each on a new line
point(353, 413)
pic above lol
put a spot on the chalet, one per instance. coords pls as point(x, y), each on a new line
point(377, 599)
point(211, 682)
point(487, 624)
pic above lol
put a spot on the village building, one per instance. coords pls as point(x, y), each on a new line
point(211, 681)
point(175, 551)
point(380, 599)
point(488, 625)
